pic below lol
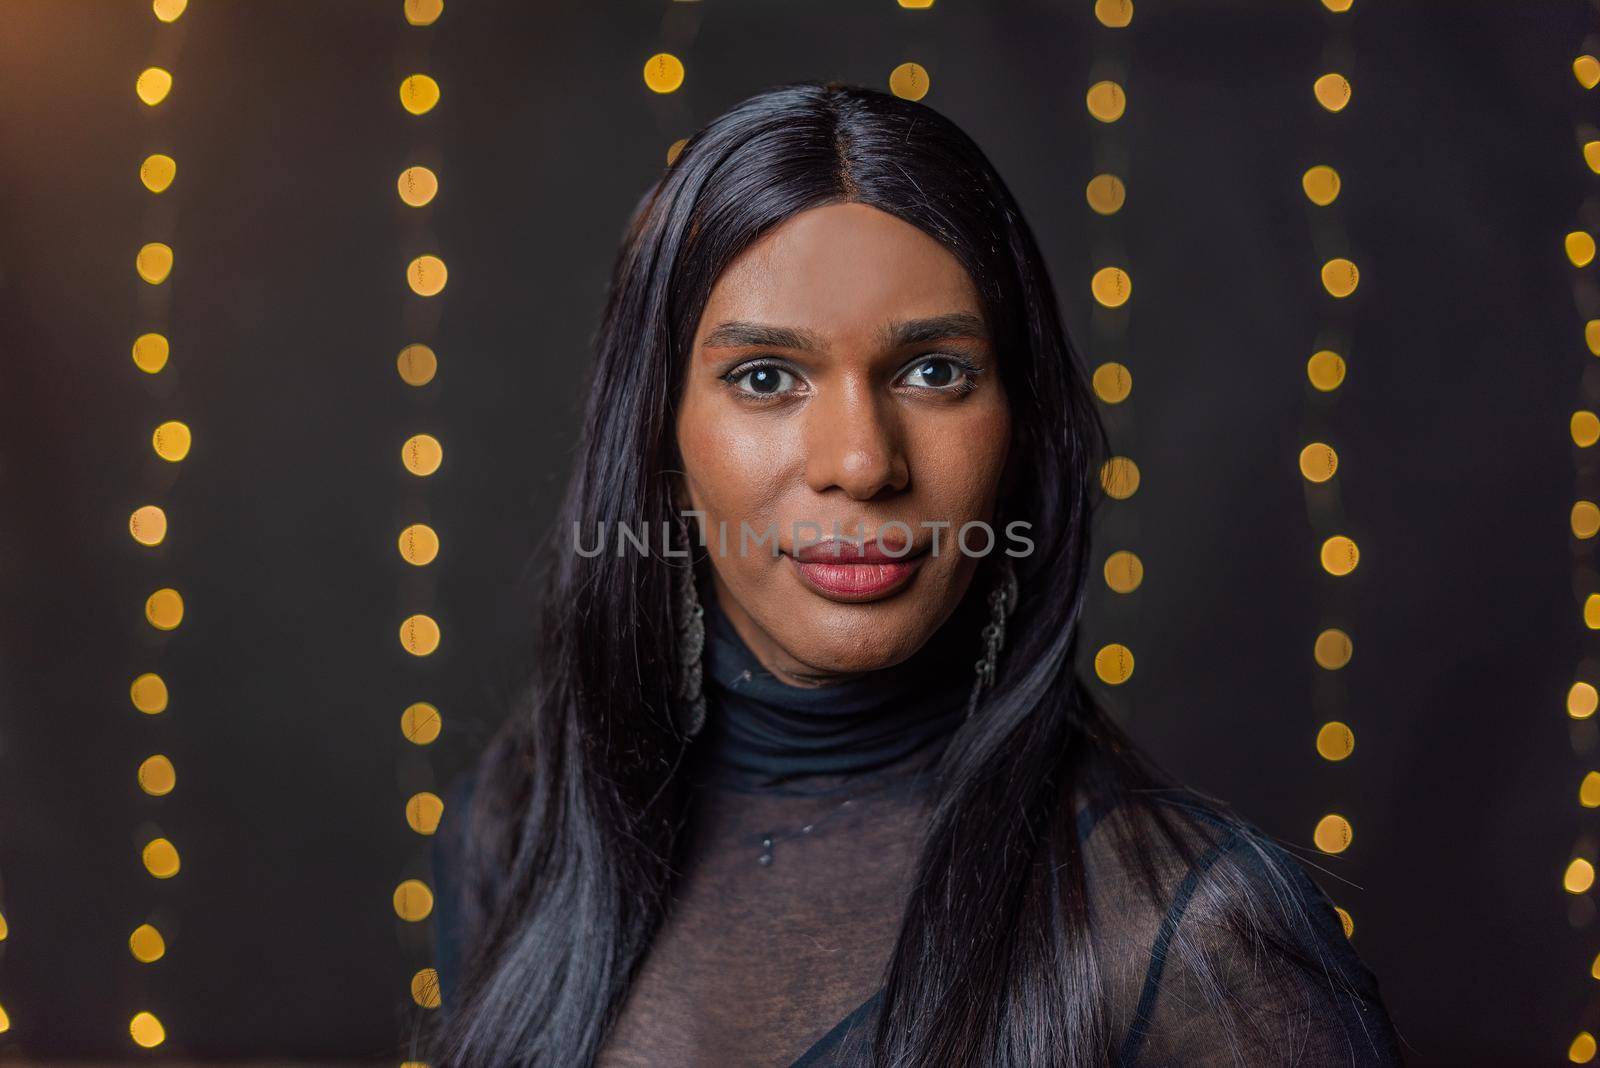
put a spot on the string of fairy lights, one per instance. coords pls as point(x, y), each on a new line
point(1584, 522)
point(421, 456)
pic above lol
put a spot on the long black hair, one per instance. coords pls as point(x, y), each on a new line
point(575, 820)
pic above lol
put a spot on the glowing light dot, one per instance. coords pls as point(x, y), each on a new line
point(148, 525)
point(423, 12)
point(1589, 790)
point(153, 85)
point(1113, 664)
point(917, 5)
point(1587, 70)
point(420, 723)
point(675, 148)
point(1582, 700)
point(1591, 336)
point(1333, 833)
point(1124, 571)
point(1582, 1049)
point(157, 776)
point(164, 609)
point(1333, 649)
point(1114, 13)
point(1346, 921)
point(1106, 194)
point(5, 1022)
point(1580, 248)
point(1591, 155)
point(417, 185)
point(419, 544)
point(161, 858)
point(1585, 519)
point(663, 72)
point(1106, 101)
point(1325, 370)
point(425, 988)
point(1335, 741)
point(157, 172)
point(422, 454)
point(150, 353)
point(171, 440)
point(1579, 876)
point(1318, 462)
point(426, 275)
point(4, 930)
point(419, 635)
point(417, 365)
point(146, 944)
point(1594, 969)
point(168, 10)
point(1591, 611)
point(423, 812)
point(1111, 286)
point(1339, 277)
point(1112, 382)
point(1585, 426)
point(419, 94)
point(147, 1030)
point(149, 694)
point(154, 262)
point(1339, 555)
point(909, 81)
point(1332, 91)
point(1119, 476)
point(413, 900)
point(1321, 184)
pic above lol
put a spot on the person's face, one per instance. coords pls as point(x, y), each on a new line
point(842, 373)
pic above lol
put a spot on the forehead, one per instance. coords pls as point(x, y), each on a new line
point(842, 271)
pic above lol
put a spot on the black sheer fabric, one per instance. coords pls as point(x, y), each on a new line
point(802, 839)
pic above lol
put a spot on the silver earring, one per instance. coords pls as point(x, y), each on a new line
point(1002, 602)
point(691, 629)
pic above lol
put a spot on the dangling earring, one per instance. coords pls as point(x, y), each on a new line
point(1002, 602)
point(691, 630)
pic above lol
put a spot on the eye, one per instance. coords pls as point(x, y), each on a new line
point(762, 380)
point(937, 372)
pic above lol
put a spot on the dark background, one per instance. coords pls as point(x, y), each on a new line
point(1460, 155)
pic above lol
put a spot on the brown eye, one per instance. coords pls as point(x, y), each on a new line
point(935, 373)
point(763, 381)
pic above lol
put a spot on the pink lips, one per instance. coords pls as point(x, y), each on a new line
point(845, 571)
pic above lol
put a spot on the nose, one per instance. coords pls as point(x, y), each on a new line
point(853, 443)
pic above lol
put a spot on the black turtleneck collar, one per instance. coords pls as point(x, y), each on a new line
point(761, 732)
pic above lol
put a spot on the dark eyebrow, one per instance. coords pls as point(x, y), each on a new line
point(894, 335)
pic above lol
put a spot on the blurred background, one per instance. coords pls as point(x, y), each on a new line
point(294, 311)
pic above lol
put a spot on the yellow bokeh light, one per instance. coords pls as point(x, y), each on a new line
point(160, 858)
point(157, 172)
point(1325, 369)
point(1346, 921)
point(5, 1021)
point(171, 440)
point(1106, 100)
point(1318, 461)
point(916, 4)
point(1591, 155)
point(154, 262)
point(1582, 700)
point(1333, 833)
point(149, 694)
point(150, 353)
point(1591, 611)
point(422, 454)
point(1585, 426)
point(1582, 1049)
point(4, 929)
point(146, 944)
point(1579, 876)
point(1114, 13)
point(164, 608)
point(417, 186)
point(1332, 91)
point(909, 81)
point(1123, 571)
point(168, 10)
point(413, 900)
point(417, 365)
point(1106, 194)
point(426, 275)
point(1112, 382)
point(663, 72)
point(419, 635)
point(1333, 649)
point(153, 85)
point(1591, 336)
point(1585, 519)
point(1113, 664)
point(1339, 555)
point(1335, 741)
point(419, 544)
point(1119, 476)
point(1321, 184)
point(148, 525)
point(423, 812)
point(419, 94)
point(1589, 790)
point(420, 723)
point(1339, 277)
point(675, 148)
point(423, 12)
point(147, 1030)
point(425, 988)
point(1111, 286)
point(1580, 248)
point(1336, 5)
point(157, 776)
point(1587, 70)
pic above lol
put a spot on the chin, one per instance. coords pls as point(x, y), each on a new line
point(850, 638)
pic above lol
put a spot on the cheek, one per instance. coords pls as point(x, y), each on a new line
point(732, 469)
point(962, 463)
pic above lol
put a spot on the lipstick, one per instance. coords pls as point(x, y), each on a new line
point(845, 570)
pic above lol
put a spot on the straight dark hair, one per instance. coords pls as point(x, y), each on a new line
point(572, 835)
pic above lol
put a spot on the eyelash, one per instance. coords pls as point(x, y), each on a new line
point(970, 372)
